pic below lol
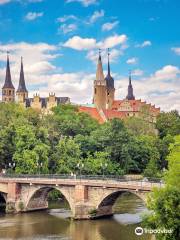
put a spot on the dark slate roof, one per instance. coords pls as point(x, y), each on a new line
point(22, 85)
point(62, 100)
point(8, 82)
point(109, 79)
point(44, 100)
point(130, 95)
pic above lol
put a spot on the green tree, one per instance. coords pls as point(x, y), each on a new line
point(138, 126)
point(66, 156)
point(164, 203)
point(71, 122)
point(99, 163)
point(168, 123)
point(30, 152)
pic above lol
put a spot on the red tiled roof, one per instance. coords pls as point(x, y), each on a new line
point(93, 112)
point(110, 114)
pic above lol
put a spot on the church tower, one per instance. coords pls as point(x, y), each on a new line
point(100, 93)
point(130, 95)
point(110, 86)
point(8, 90)
point(22, 92)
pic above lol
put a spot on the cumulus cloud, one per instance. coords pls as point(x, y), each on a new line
point(8, 1)
point(85, 3)
point(79, 43)
point(33, 15)
point(133, 60)
point(114, 54)
point(65, 18)
point(144, 44)
point(176, 50)
point(137, 72)
point(113, 41)
point(67, 28)
point(109, 25)
point(4, 1)
point(96, 15)
point(37, 60)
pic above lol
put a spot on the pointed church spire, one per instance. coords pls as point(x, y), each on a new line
point(8, 82)
point(109, 79)
point(109, 71)
point(130, 95)
point(22, 85)
point(99, 71)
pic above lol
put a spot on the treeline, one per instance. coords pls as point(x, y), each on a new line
point(68, 141)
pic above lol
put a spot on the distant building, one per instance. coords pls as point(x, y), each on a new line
point(105, 107)
point(43, 104)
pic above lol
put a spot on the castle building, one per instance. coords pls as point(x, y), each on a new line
point(43, 104)
point(106, 107)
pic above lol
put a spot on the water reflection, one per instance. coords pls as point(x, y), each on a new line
point(55, 224)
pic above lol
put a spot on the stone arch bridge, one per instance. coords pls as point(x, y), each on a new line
point(88, 197)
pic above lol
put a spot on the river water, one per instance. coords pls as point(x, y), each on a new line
point(54, 224)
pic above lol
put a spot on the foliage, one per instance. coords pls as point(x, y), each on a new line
point(165, 202)
point(61, 140)
point(168, 123)
point(138, 126)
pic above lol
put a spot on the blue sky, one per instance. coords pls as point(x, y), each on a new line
point(59, 42)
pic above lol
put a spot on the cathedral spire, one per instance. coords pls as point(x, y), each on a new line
point(130, 95)
point(8, 82)
point(109, 79)
point(22, 85)
point(109, 70)
point(99, 71)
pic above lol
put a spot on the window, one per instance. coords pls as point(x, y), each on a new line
point(95, 90)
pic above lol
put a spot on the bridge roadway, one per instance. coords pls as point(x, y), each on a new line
point(88, 196)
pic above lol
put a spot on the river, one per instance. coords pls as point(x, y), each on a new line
point(55, 224)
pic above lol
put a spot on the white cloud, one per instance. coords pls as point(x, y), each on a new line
point(79, 43)
point(4, 1)
point(168, 72)
point(144, 44)
point(65, 18)
point(33, 15)
point(67, 28)
point(133, 60)
point(85, 3)
point(96, 15)
point(36, 57)
point(137, 72)
point(8, 1)
point(109, 25)
point(114, 54)
point(113, 41)
point(176, 50)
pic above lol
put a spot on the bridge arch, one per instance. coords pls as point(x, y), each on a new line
point(107, 201)
point(2, 202)
point(38, 198)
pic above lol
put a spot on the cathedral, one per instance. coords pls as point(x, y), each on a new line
point(43, 104)
point(103, 108)
point(106, 107)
